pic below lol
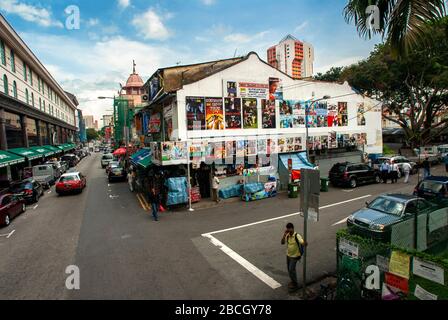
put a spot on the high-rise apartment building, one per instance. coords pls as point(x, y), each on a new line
point(90, 122)
point(293, 57)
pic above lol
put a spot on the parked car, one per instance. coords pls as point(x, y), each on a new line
point(443, 150)
point(71, 182)
point(117, 173)
point(58, 168)
point(377, 218)
point(65, 166)
point(97, 149)
point(399, 160)
point(353, 174)
point(111, 165)
point(30, 190)
point(105, 159)
point(45, 175)
point(432, 188)
point(10, 207)
point(71, 159)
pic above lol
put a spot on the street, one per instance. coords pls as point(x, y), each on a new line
point(227, 252)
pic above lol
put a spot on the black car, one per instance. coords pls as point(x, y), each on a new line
point(30, 190)
point(432, 188)
point(71, 159)
point(353, 174)
point(117, 173)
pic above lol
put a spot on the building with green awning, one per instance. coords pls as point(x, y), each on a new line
point(145, 162)
point(44, 152)
point(66, 147)
point(27, 153)
point(53, 148)
point(7, 159)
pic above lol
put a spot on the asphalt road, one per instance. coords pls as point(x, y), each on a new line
point(123, 254)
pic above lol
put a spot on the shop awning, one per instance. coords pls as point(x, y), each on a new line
point(53, 148)
point(44, 152)
point(145, 162)
point(66, 147)
point(27, 153)
point(7, 159)
point(139, 155)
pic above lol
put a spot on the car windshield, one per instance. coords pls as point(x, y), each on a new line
point(68, 178)
point(22, 186)
point(386, 205)
point(108, 157)
point(432, 186)
point(338, 168)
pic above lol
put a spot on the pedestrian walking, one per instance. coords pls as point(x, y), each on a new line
point(407, 171)
point(426, 168)
point(394, 172)
point(385, 169)
point(215, 189)
point(154, 198)
point(131, 178)
point(294, 251)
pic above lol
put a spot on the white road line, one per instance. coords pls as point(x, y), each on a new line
point(340, 222)
point(9, 235)
point(49, 192)
point(244, 263)
point(348, 190)
point(286, 216)
point(34, 208)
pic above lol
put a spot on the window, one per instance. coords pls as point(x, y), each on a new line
point(14, 89)
point(44, 105)
point(5, 85)
point(13, 61)
point(25, 74)
point(2, 52)
point(13, 127)
point(32, 99)
point(38, 83)
point(27, 97)
point(44, 133)
point(31, 131)
point(40, 104)
point(31, 76)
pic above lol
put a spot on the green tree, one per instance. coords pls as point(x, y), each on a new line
point(332, 75)
point(402, 22)
point(92, 134)
point(413, 89)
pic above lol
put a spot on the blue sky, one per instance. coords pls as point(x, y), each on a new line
point(93, 60)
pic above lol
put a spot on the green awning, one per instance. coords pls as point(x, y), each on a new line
point(27, 153)
point(53, 148)
point(145, 162)
point(7, 159)
point(66, 147)
point(44, 152)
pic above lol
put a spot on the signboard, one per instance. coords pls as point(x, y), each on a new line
point(428, 271)
point(253, 90)
point(399, 264)
point(214, 114)
point(422, 294)
point(348, 248)
point(154, 123)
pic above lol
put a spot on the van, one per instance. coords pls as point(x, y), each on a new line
point(105, 159)
point(44, 174)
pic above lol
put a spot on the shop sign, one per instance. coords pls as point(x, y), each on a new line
point(396, 282)
point(253, 90)
point(422, 294)
point(428, 271)
point(349, 248)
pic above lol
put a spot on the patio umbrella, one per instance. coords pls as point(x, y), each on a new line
point(120, 152)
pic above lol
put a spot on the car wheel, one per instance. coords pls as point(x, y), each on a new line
point(353, 183)
point(7, 220)
point(23, 208)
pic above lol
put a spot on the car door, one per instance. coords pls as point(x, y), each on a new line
point(16, 205)
point(6, 206)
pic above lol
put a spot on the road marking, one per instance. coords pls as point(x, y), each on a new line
point(49, 192)
point(141, 202)
point(340, 222)
point(348, 190)
point(8, 234)
point(34, 208)
point(113, 196)
point(244, 263)
point(285, 216)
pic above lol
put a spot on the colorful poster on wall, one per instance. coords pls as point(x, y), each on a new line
point(298, 144)
point(253, 90)
point(172, 151)
point(322, 115)
point(281, 146)
point(298, 113)
point(240, 148)
point(233, 113)
point(154, 123)
point(360, 115)
point(275, 89)
point(332, 117)
point(342, 114)
point(214, 114)
point(231, 89)
point(332, 140)
point(268, 114)
point(251, 148)
point(250, 114)
point(286, 118)
point(229, 149)
point(195, 108)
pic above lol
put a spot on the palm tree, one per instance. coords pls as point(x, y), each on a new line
point(402, 22)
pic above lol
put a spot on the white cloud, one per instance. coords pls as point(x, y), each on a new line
point(301, 26)
point(150, 25)
point(39, 15)
point(93, 22)
point(208, 2)
point(123, 4)
point(240, 38)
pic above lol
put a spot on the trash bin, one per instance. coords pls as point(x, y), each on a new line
point(293, 190)
point(324, 182)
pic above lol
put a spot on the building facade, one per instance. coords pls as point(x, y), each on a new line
point(90, 122)
point(293, 57)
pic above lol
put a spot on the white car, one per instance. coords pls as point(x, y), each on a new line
point(106, 159)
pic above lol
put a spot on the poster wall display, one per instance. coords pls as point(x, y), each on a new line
point(195, 108)
point(231, 89)
point(253, 90)
point(262, 147)
point(360, 115)
point(286, 119)
point(229, 149)
point(268, 114)
point(250, 116)
point(240, 148)
point(272, 146)
point(275, 89)
point(281, 147)
point(322, 115)
point(332, 117)
point(251, 148)
point(298, 113)
point(233, 113)
point(342, 114)
point(154, 123)
point(290, 144)
point(332, 140)
point(172, 151)
point(214, 114)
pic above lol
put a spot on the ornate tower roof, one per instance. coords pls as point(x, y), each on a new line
point(134, 80)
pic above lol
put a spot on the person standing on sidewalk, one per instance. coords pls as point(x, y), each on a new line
point(426, 168)
point(154, 198)
point(294, 251)
point(215, 189)
point(394, 172)
point(385, 168)
point(407, 171)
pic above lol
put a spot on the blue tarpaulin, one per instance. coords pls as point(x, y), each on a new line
point(299, 161)
point(139, 155)
point(177, 191)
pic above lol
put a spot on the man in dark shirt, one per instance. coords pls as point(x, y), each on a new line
point(426, 168)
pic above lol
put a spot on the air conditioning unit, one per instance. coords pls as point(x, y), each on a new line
point(145, 98)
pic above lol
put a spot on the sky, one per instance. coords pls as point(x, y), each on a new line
point(93, 60)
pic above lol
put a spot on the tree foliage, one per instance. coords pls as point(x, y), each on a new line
point(92, 134)
point(332, 75)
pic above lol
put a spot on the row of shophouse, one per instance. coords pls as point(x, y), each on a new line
point(38, 119)
point(242, 117)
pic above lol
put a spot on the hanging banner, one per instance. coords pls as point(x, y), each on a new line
point(342, 114)
point(250, 114)
point(332, 117)
point(195, 108)
point(253, 90)
point(360, 116)
point(268, 113)
point(154, 123)
point(214, 114)
point(233, 113)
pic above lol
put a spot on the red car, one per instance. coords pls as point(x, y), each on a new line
point(10, 207)
point(71, 182)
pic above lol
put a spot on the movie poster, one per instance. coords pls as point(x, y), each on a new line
point(240, 148)
point(298, 145)
point(154, 123)
point(298, 113)
point(268, 113)
point(214, 114)
point(251, 148)
point(342, 114)
point(195, 108)
point(231, 89)
point(332, 115)
point(250, 116)
point(275, 89)
point(322, 115)
point(281, 147)
point(229, 149)
point(286, 118)
point(290, 144)
point(262, 146)
point(332, 141)
point(360, 115)
point(233, 113)
point(272, 146)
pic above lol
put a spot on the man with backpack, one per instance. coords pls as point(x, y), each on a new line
point(294, 252)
